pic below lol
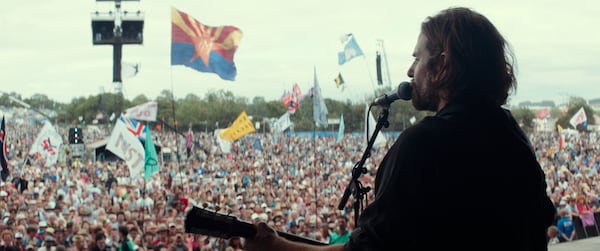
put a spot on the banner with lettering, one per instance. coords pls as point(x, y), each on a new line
point(145, 112)
point(127, 147)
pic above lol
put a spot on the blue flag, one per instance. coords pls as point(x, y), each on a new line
point(257, 144)
point(340, 135)
point(319, 107)
point(351, 49)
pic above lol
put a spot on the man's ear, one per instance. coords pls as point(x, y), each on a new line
point(443, 58)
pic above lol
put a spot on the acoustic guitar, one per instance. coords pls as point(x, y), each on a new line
point(205, 222)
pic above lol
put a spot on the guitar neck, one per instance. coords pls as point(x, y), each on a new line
point(200, 221)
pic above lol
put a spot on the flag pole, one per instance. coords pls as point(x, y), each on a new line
point(176, 132)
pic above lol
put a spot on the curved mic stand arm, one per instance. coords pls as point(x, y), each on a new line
point(355, 187)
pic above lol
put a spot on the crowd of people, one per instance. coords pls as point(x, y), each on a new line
point(293, 183)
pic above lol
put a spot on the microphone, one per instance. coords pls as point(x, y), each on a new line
point(404, 91)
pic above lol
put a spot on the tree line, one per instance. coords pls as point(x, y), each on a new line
point(218, 109)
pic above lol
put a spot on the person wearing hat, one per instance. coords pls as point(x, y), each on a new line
point(18, 239)
point(162, 235)
point(49, 244)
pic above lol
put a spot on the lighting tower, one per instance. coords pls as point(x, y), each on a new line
point(117, 27)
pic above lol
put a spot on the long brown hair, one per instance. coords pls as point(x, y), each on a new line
point(479, 61)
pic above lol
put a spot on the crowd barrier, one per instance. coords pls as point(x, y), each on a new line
point(582, 231)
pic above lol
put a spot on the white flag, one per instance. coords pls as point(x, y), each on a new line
point(145, 112)
point(224, 144)
point(48, 143)
point(371, 123)
point(129, 70)
point(282, 123)
point(127, 147)
point(578, 118)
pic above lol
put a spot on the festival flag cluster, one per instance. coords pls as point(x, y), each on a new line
point(292, 99)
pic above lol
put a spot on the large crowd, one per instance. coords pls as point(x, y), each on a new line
point(294, 183)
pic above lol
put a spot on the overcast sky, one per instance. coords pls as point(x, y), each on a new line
point(46, 46)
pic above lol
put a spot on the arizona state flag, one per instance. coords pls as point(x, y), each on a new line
point(203, 48)
point(3, 154)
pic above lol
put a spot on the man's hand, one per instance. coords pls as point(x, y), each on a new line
point(265, 239)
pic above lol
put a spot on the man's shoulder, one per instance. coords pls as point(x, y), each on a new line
point(425, 128)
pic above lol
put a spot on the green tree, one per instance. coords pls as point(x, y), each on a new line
point(524, 116)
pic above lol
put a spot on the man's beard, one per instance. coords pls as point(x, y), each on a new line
point(425, 98)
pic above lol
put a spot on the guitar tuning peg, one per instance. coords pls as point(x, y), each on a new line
point(217, 208)
point(204, 205)
point(229, 211)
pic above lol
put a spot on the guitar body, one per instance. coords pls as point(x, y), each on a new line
point(201, 221)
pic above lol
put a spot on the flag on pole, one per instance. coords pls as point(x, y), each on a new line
point(129, 70)
point(150, 157)
point(47, 144)
point(145, 112)
point(350, 50)
point(578, 118)
point(281, 124)
point(136, 128)
point(3, 153)
point(203, 48)
point(560, 137)
point(319, 108)
point(339, 81)
point(292, 99)
point(240, 127)
point(340, 135)
point(224, 144)
point(127, 147)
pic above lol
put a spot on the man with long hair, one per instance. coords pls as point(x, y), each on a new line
point(465, 178)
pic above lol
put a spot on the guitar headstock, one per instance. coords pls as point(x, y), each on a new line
point(212, 223)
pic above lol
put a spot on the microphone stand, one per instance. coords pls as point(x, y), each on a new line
point(355, 187)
